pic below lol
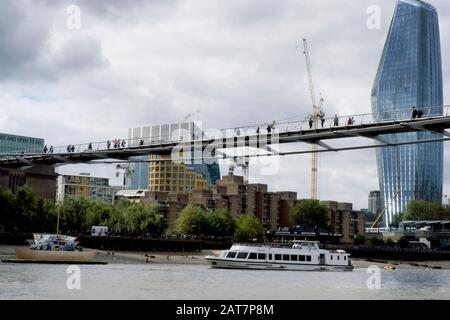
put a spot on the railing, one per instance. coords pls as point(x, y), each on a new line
point(337, 122)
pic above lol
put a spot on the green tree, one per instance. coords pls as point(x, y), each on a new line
point(97, 214)
point(73, 214)
point(249, 227)
point(8, 212)
point(374, 241)
point(219, 223)
point(309, 213)
point(403, 242)
point(192, 220)
point(389, 242)
point(359, 239)
point(142, 219)
point(116, 220)
point(423, 210)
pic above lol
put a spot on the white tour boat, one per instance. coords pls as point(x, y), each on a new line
point(302, 256)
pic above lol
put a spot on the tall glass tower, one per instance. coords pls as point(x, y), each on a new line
point(409, 75)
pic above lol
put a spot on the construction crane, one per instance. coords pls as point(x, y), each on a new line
point(380, 215)
point(316, 115)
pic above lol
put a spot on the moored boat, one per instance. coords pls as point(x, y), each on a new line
point(54, 248)
point(302, 256)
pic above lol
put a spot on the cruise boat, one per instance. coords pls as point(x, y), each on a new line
point(302, 256)
point(54, 248)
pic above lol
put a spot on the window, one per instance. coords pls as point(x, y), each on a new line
point(231, 254)
point(261, 256)
point(242, 255)
point(338, 257)
point(308, 258)
point(270, 256)
point(294, 257)
point(301, 258)
point(331, 257)
point(252, 256)
point(345, 258)
point(285, 257)
point(278, 257)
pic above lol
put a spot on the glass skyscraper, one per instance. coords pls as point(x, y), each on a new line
point(409, 75)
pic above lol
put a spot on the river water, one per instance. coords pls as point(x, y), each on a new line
point(199, 282)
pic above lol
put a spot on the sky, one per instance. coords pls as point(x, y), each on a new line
point(88, 73)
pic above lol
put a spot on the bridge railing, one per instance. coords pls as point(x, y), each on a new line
point(305, 125)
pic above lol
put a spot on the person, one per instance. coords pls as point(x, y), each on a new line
point(414, 113)
point(73, 148)
point(68, 148)
point(141, 142)
point(419, 114)
point(336, 120)
point(350, 121)
point(310, 122)
point(108, 144)
point(273, 125)
point(123, 143)
point(45, 149)
point(322, 118)
point(269, 129)
point(257, 130)
point(238, 132)
point(51, 149)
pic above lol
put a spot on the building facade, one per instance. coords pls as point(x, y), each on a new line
point(375, 202)
point(345, 221)
point(409, 75)
point(83, 185)
point(230, 193)
point(140, 177)
point(165, 175)
point(41, 179)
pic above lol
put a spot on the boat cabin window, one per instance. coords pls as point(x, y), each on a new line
point(285, 257)
point(338, 257)
point(261, 256)
point(231, 254)
point(270, 256)
point(301, 258)
point(345, 258)
point(294, 257)
point(308, 258)
point(278, 257)
point(331, 257)
point(252, 255)
point(242, 255)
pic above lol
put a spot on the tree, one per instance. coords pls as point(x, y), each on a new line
point(8, 213)
point(374, 241)
point(116, 220)
point(192, 220)
point(249, 227)
point(403, 242)
point(142, 219)
point(219, 223)
point(389, 242)
point(309, 213)
point(359, 240)
point(423, 210)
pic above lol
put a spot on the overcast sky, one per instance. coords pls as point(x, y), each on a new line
point(238, 62)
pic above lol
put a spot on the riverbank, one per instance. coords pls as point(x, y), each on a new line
point(197, 258)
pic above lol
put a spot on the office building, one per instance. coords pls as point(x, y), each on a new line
point(83, 185)
point(140, 177)
point(41, 179)
point(409, 75)
point(375, 202)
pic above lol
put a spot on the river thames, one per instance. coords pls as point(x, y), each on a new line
point(200, 282)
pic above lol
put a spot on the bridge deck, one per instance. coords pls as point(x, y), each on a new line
point(436, 124)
